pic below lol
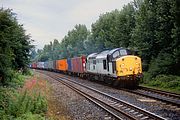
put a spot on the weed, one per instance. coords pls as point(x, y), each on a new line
point(21, 100)
point(165, 82)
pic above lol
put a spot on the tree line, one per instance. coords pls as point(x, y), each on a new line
point(14, 46)
point(151, 27)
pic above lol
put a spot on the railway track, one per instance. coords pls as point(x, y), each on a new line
point(114, 106)
point(170, 94)
point(167, 97)
point(163, 96)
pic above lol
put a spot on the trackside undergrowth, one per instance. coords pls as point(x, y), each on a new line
point(169, 83)
point(24, 98)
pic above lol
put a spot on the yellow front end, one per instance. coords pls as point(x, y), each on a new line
point(128, 65)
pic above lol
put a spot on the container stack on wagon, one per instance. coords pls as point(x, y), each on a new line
point(61, 65)
point(46, 65)
point(50, 65)
point(69, 64)
point(34, 65)
point(54, 65)
point(40, 65)
point(78, 65)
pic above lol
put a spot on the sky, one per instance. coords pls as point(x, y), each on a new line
point(46, 20)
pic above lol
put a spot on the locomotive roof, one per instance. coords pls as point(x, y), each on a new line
point(92, 56)
point(103, 54)
point(115, 49)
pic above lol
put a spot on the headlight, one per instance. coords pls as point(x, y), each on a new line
point(122, 65)
point(130, 69)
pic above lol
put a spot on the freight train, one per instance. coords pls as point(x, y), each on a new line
point(118, 67)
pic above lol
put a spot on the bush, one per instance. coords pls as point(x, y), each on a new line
point(163, 64)
point(24, 103)
point(30, 116)
point(20, 105)
point(167, 82)
point(14, 105)
point(16, 79)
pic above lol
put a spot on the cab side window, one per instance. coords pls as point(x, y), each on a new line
point(94, 62)
point(123, 52)
point(116, 54)
point(104, 64)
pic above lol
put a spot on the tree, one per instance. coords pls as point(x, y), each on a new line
point(14, 45)
point(113, 29)
point(73, 43)
point(156, 35)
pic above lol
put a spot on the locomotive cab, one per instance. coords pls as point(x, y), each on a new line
point(124, 63)
point(125, 66)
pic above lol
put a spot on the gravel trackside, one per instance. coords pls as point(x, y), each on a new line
point(65, 104)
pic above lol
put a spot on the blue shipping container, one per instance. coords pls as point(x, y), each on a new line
point(46, 65)
point(69, 64)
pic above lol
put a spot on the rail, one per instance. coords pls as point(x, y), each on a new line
point(114, 106)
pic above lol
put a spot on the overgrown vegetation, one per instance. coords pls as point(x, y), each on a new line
point(150, 26)
point(22, 103)
point(164, 82)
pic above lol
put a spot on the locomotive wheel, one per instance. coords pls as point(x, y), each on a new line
point(116, 83)
point(106, 80)
point(110, 81)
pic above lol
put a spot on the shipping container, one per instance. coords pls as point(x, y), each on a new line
point(46, 65)
point(54, 64)
point(40, 65)
point(78, 64)
point(69, 64)
point(50, 65)
point(61, 65)
point(34, 65)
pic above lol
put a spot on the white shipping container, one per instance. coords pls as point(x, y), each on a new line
point(40, 65)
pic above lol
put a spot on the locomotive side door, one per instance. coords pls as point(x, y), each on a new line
point(108, 60)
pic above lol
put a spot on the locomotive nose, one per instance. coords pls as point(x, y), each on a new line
point(128, 65)
point(130, 69)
